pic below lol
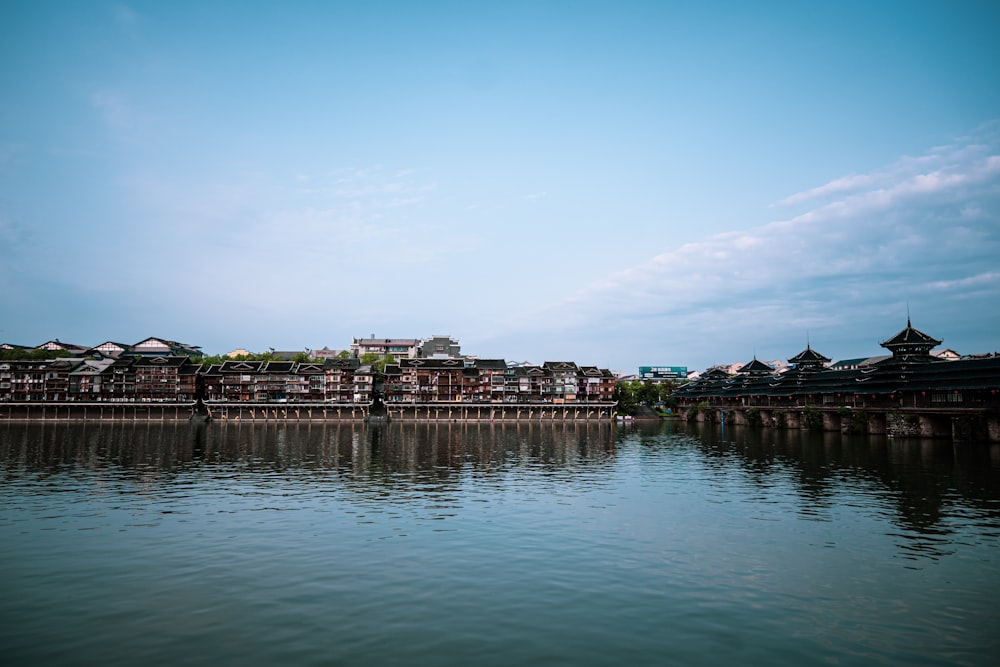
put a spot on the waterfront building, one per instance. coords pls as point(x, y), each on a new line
point(910, 377)
point(339, 377)
point(490, 380)
point(312, 382)
point(433, 380)
point(363, 384)
point(238, 380)
point(23, 380)
point(87, 381)
point(148, 373)
point(164, 378)
point(560, 383)
point(275, 381)
point(531, 384)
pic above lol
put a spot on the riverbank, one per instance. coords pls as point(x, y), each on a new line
point(305, 412)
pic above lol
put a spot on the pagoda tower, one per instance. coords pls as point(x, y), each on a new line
point(809, 359)
point(910, 343)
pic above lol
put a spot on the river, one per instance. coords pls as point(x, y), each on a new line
point(457, 544)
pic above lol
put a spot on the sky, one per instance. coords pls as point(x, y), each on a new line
point(613, 183)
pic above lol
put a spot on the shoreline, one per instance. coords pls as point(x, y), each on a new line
point(300, 412)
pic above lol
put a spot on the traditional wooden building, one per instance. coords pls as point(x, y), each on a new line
point(164, 378)
point(149, 373)
point(23, 380)
point(312, 382)
point(434, 380)
point(238, 380)
point(339, 377)
point(488, 382)
point(911, 377)
point(89, 380)
point(560, 383)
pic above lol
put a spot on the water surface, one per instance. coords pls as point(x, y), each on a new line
point(453, 544)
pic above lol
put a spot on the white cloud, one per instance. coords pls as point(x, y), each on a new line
point(990, 279)
point(923, 230)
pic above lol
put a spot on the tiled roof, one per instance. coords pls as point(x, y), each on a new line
point(910, 341)
point(491, 364)
point(343, 363)
point(440, 364)
point(240, 366)
point(808, 357)
point(755, 367)
point(161, 361)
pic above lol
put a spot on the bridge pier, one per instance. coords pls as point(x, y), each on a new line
point(831, 421)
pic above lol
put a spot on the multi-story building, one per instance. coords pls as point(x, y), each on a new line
point(164, 378)
point(238, 380)
point(211, 379)
point(89, 380)
point(26, 379)
point(490, 383)
point(433, 380)
point(399, 348)
point(120, 379)
point(363, 384)
point(560, 385)
point(275, 381)
point(147, 372)
point(339, 375)
point(312, 382)
point(398, 384)
point(531, 384)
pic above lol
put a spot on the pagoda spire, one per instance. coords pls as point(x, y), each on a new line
point(910, 342)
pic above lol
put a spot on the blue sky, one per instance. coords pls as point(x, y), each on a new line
point(614, 183)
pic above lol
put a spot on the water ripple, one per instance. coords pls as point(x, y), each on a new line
point(459, 544)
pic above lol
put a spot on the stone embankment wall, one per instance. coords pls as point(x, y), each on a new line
point(233, 412)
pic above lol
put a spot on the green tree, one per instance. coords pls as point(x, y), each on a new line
point(377, 361)
point(32, 354)
point(626, 394)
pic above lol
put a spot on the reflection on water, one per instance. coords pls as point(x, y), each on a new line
point(453, 544)
point(349, 448)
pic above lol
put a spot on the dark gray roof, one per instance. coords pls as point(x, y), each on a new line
point(910, 341)
point(809, 357)
point(240, 366)
point(491, 364)
point(432, 363)
point(755, 367)
point(343, 363)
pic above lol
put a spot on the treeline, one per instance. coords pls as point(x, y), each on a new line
point(632, 395)
point(22, 354)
